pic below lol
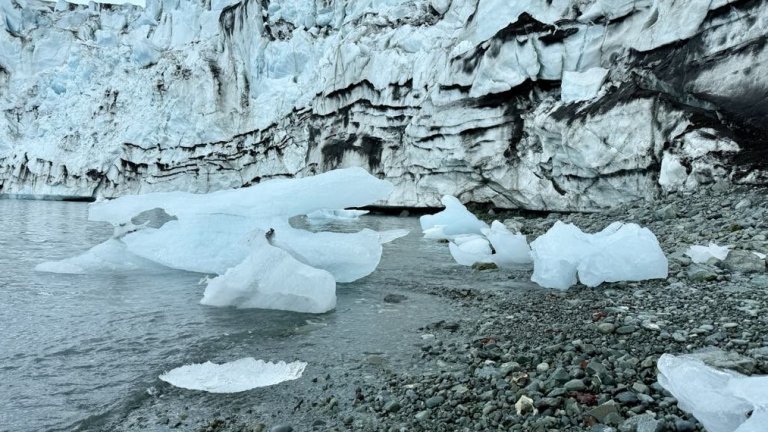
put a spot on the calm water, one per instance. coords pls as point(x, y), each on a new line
point(73, 348)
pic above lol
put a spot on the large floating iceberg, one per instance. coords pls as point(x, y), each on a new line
point(621, 252)
point(244, 236)
point(723, 401)
point(233, 377)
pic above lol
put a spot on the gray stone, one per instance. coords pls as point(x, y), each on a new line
point(434, 401)
point(394, 298)
point(607, 413)
point(627, 329)
point(575, 385)
point(718, 358)
point(743, 262)
point(701, 273)
point(606, 328)
point(282, 428)
point(642, 423)
point(422, 415)
point(392, 406)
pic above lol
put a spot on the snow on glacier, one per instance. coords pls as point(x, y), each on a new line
point(722, 400)
point(233, 377)
point(244, 237)
point(621, 252)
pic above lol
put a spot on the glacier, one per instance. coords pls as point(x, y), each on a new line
point(544, 105)
point(233, 377)
point(244, 236)
point(620, 252)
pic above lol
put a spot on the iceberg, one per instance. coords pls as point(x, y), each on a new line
point(470, 249)
point(702, 254)
point(233, 377)
point(621, 252)
point(244, 237)
point(452, 221)
point(270, 278)
point(325, 215)
point(511, 248)
point(722, 400)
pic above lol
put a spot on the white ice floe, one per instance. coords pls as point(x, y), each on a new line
point(511, 248)
point(233, 377)
point(452, 221)
point(722, 400)
point(472, 241)
point(701, 254)
point(471, 249)
point(339, 215)
point(270, 278)
point(244, 236)
point(621, 252)
point(110, 256)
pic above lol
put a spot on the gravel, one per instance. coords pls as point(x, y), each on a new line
point(530, 359)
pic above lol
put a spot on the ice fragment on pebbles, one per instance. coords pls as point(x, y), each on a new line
point(702, 254)
point(233, 377)
point(452, 221)
point(621, 252)
point(722, 400)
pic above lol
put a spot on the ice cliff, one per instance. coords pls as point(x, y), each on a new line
point(539, 104)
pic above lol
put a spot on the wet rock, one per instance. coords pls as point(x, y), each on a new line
point(607, 413)
point(394, 298)
point(434, 401)
point(282, 428)
point(743, 262)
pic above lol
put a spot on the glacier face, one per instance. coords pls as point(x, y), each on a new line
point(538, 104)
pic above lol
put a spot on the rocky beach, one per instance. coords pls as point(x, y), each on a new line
point(521, 358)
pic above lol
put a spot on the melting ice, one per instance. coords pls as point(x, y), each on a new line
point(244, 236)
point(233, 377)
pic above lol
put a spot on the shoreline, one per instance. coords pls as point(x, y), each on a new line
point(577, 360)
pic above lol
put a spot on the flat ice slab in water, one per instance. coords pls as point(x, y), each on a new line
point(210, 234)
point(723, 401)
point(233, 377)
point(452, 221)
point(621, 252)
point(702, 254)
point(340, 215)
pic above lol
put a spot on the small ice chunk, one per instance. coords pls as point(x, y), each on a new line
point(722, 400)
point(511, 249)
point(233, 377)
point(392, 235)
point(471, 249)
point(621, 252)
point(108, 257)
point(702, 254)
point(454, 220)
point(342, 215)
point(270, 278)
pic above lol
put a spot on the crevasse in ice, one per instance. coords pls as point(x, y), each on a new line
point(243, 235)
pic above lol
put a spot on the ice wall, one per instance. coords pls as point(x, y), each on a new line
point(543, 104)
